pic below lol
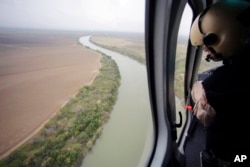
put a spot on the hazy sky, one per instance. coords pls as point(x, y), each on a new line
point(112, 15)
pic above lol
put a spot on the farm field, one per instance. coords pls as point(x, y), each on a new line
point(39, 73)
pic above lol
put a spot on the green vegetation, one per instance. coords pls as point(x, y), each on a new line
point(68, 136)
point(135, 48)
point(179, 70)
point(129, 47)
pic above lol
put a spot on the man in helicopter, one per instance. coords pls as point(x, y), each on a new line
point(221, 100)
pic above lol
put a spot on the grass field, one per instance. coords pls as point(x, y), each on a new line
point(131, 47)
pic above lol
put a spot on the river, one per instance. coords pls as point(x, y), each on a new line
point(127, 137)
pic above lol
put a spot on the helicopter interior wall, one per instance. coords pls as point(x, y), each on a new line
point(195, 144)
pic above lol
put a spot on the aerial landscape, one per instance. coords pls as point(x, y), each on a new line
point(59, 97)
point(56, 94)
point(77, 86)
point(40, 73)
point(32, 68)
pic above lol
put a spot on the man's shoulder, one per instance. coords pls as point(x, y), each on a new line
point(204, 75)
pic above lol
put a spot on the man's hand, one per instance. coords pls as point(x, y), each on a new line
point(202, 109)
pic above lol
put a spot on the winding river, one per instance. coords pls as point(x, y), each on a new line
point(126, 140)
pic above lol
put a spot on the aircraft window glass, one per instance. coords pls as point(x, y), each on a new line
point(183, 37)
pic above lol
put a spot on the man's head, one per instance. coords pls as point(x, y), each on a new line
point(223, 29)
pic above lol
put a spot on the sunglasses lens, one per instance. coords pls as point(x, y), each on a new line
point(210, 39)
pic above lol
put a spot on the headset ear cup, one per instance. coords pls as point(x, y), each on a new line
point(210, 39)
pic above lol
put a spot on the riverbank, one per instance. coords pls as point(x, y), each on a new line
point(39, 72)
point(68, 136)
point(129, 128)
point(133, 48)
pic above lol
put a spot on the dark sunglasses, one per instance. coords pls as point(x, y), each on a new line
point(209, 38)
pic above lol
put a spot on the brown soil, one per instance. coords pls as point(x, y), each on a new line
point(36, 80)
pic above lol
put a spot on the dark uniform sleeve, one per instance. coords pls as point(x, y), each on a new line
point(228, 93)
